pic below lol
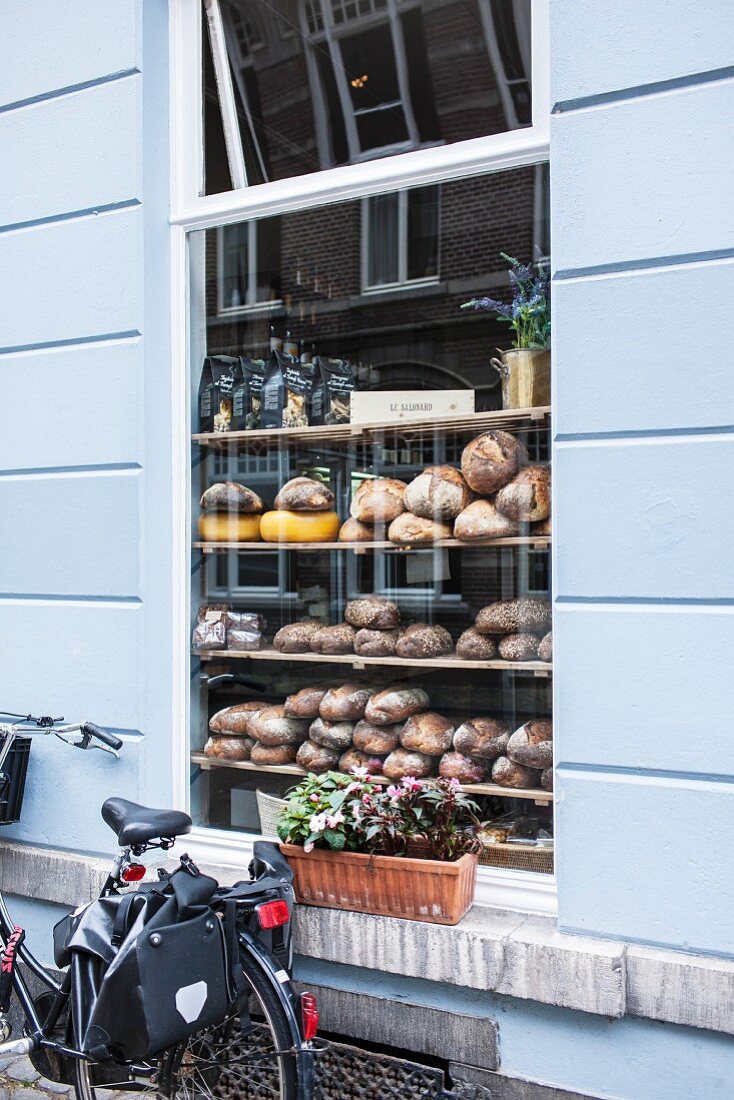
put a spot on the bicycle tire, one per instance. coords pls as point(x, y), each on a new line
point(222, 1079)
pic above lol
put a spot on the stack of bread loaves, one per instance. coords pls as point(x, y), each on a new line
point(376, 503)
point(495, 465)
point(433, 500)
point(484, 748)
point(304, 512)
point(514, 630)
point(231, 513)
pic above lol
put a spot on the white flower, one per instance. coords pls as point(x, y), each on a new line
point(317, 824)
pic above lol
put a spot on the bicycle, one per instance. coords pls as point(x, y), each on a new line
point(269, 1055)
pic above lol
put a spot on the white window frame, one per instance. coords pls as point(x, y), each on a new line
point(402, 279)
point(191, 211)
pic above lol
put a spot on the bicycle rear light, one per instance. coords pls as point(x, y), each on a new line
point(309, 1016)
point(134, 872)
point(273, 914)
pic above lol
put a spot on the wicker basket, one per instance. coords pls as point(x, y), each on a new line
point(518, 857)
point(269, 808)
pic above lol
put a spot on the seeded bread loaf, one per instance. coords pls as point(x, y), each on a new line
point(545, 649)
point(518, 647)
point(296, 637)
point(222, 747)
point(402, 763)
point(316, 758)
point(376, 643)
point(378, 501)
point(230, 496)
point(473, 646)
point(353, 758)
point(273, 754)
point(532, 744)
point(395, 704)
point(485, 738)
point(331, 735)
point(421, 640)
point(527, 498)
point(526, 615)
point(491, 460)
point(481, 520)
point(379, 740)
point(234, 720)
point(409, 529)
point(333, 639)
point(304, 703)
point(354, 531)
point(273, 727)
point(546, 779)
point(440, 492)
point(304, 494)
point(506, 773)
point(428, 733)
point(345, 703)
point(372, 612)
point(454, 765)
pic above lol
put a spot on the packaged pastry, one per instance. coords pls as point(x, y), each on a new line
point(246, 620)
point(245, 639)
point(210, 631)
point(286, 392)
point(219, 376)
point(333, 383)
point(246, 397)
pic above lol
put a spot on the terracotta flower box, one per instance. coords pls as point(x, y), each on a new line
point(389, 886)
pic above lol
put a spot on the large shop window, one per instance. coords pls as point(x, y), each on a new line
point(294, 319)
point(304, 85)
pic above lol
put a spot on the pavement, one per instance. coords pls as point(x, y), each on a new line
point(20, 1081)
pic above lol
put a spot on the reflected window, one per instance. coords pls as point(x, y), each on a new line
point(401, 238)
point(249, 265)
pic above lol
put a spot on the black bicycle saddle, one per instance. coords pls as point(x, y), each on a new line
point(136, 824)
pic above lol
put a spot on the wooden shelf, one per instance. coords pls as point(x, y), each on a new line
point(207, 763)
point(537, 542)
point(538, 668)
point(507, 419)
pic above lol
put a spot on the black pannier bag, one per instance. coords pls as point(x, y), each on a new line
point(150, 968)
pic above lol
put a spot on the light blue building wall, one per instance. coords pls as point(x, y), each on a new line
point(643, 256)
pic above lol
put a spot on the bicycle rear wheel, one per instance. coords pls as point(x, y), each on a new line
point(220, 1063)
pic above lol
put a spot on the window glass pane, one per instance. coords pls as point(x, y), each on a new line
point(234, 266)
point(309, 269)
point(382, 77)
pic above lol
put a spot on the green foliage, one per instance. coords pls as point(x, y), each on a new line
point(528, 314)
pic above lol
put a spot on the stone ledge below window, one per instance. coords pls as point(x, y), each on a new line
point(491, 949)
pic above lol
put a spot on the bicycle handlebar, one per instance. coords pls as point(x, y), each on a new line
point(106, 738)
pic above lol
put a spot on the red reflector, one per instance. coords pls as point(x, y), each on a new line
point(273, 914)
point(309, 1016)
point(133, 873)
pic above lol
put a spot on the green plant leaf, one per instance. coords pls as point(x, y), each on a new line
point(334, 839)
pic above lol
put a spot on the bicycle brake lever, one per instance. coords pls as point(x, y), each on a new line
point(106, 748)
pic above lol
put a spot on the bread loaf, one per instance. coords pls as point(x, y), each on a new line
point(491, 460)
point(372, 612)
point(440, 492)
point(409, 529)
point(518, 647)
point(481, 520)
point(221, 747)
point(454, 765)
point(428, 733)
point(376, 643)
point(485, 738)
point(545, 649)
point(233, 720)
point(345, 703)
point(273, 754)
point(395, 704)
point(354, 531)
point(353, 758)
point(316, 758)
point(304, 494)
point(528, 495)
point(378, 501)
point(304, 703)
point(272, 726)
point(402, 763)
point(331, 735)
point(546, 779)
point(296, 637)
point(379, 740)
point(526, 615)
point(333, 639)
point(420, 641)
point(473, 646)
point(230, 496)
point(544, 527)
point(505, 773)
point(532, 744)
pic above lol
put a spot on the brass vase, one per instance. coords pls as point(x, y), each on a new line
point(525, 374)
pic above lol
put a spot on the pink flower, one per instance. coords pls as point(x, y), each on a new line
point(314, 798)
point(411, 783)
point(454, 783)
point(367, 799)
point(352, 788)
point(361, 773)
point(308, 847)
point(317, 824)
point(335, 819)
point(395, 793)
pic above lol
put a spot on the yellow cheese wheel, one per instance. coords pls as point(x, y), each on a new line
point(284, 526)
point(229, 527)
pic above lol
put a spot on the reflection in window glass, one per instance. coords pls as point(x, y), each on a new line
point(319, 83)
point(382, 241)
point(422, 232)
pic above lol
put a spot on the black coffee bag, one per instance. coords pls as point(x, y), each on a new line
point(246, 399)
point(286, 392)
point(219, 376)
point(332, 386)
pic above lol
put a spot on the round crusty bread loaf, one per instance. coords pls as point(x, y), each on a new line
point(395, 704)
point(354, 531)
point(454, 765)
point(491, 460)
point(222, 747)
point(331, 735)
point(379, 740)
point(333, 639)
point(230, 496)
point(401, 763)
point(429, 733)
point(440, 492)
point(545, 649)
point(473, 646)
point(506, 773)
point(372, 612)
point(527, 498)
point(532, 744)
point(526, 615)
point(233, 720)
point(485, 738)
point(543, 528)
point(304, 703)
point(272, 726)
point(353, 758)
point(378, 501)
point(296, 637)
point(421, 640)
point(345, 703)
point(376, 643)
point(546, 779)
point(518, 647)
point(273, 754)
point(304, 494)
point(316, 758)
point(409, 528)
point(481, 520)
